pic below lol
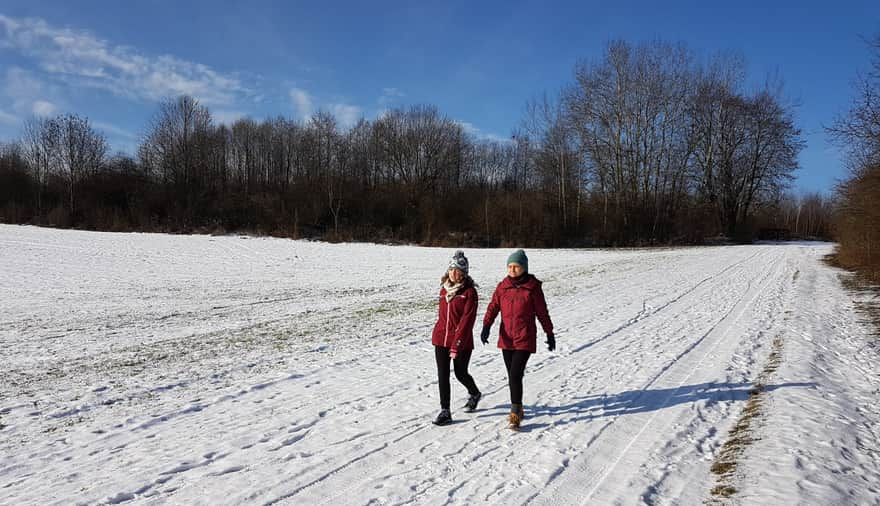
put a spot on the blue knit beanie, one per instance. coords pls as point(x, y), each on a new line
point(519, 257)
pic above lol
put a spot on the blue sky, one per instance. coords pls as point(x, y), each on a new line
point(479, 62)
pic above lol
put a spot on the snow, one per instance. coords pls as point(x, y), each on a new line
point(146, 368)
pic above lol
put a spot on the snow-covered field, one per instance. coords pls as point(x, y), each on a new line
point(228, 370)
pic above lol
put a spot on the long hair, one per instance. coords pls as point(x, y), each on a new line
point(468, 280)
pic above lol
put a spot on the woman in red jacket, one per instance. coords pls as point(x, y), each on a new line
point(520, 299)
point(453, 336)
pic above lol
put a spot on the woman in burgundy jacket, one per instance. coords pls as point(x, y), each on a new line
point(453, 336)
point(520, 299)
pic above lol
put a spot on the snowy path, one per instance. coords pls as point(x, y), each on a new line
point(226, 370)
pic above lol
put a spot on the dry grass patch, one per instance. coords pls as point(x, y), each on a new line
point(743, 433)
point(723, 491)
point(867, 291)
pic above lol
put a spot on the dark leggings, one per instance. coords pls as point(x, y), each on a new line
point(460, 363)
point(515, 361)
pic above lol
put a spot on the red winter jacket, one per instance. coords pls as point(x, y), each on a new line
point(455, 324)
point(520, 302)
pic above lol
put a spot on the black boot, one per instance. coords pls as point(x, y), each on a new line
point(472, 402)
point(444, 418)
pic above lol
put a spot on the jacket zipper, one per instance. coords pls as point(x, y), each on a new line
point(446, 337)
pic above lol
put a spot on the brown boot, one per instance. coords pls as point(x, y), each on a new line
point(515, 417)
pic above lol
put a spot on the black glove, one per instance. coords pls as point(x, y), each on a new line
point(551, 342)
point(484, 334)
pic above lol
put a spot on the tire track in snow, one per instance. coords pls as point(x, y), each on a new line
point(642, 315)
point(190, 410)
point(584, 471)
point(643, 318)
point(701, 431)
point(486, 444)
point(392, 458)
point(610, 424)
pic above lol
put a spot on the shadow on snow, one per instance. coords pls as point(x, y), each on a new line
point(591, 407)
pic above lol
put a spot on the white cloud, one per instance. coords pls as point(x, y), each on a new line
point(9, 119)
point(113, 130)
point(43, 108)
point(25, 94)
point(498, 138)
point(469, 128)
point(65, 58)
point(347, 115)
point(302, 103)
point(389, 95)
point(77, 57)
point(227, 117)
point(21, 86)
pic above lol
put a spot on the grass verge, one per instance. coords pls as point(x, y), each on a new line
point(866, 291)
point(743, 433)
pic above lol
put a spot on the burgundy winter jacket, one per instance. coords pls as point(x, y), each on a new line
point(520, 301)
point(455, 324)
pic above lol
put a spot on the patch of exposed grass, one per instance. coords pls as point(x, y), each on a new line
point(392, 307)
point(742, 435)
point(865, 289)
point(372, 312)
point(723, 491)
point(723, 468)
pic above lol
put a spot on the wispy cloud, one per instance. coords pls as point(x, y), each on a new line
point(389, 96)
point(43, 108)
point(347, 115)
point(498, 138)
point(302, 103)
point(61, 59)
point(7, 118)
point(227, 117)
point(113, 130)
point(78, 57)
point(473, 130)
point(468, 128)
point(22, 89)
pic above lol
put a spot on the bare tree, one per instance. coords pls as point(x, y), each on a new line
point(81, 151)
point(66, 146)
point(629, 112)
point(857, 222)
point(557, 158)
point(176, 140)
point(858, 130)
point(745, 147)
point(38, 144)
point(244, 153)
point(330, 159)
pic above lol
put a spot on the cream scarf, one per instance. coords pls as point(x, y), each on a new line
point(452, 289)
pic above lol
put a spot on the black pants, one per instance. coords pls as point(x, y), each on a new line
point(515, 361)
point(460, 364)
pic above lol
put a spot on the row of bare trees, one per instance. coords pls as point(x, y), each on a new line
point(857, 221)
point(654, 137)
point(645, 146)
